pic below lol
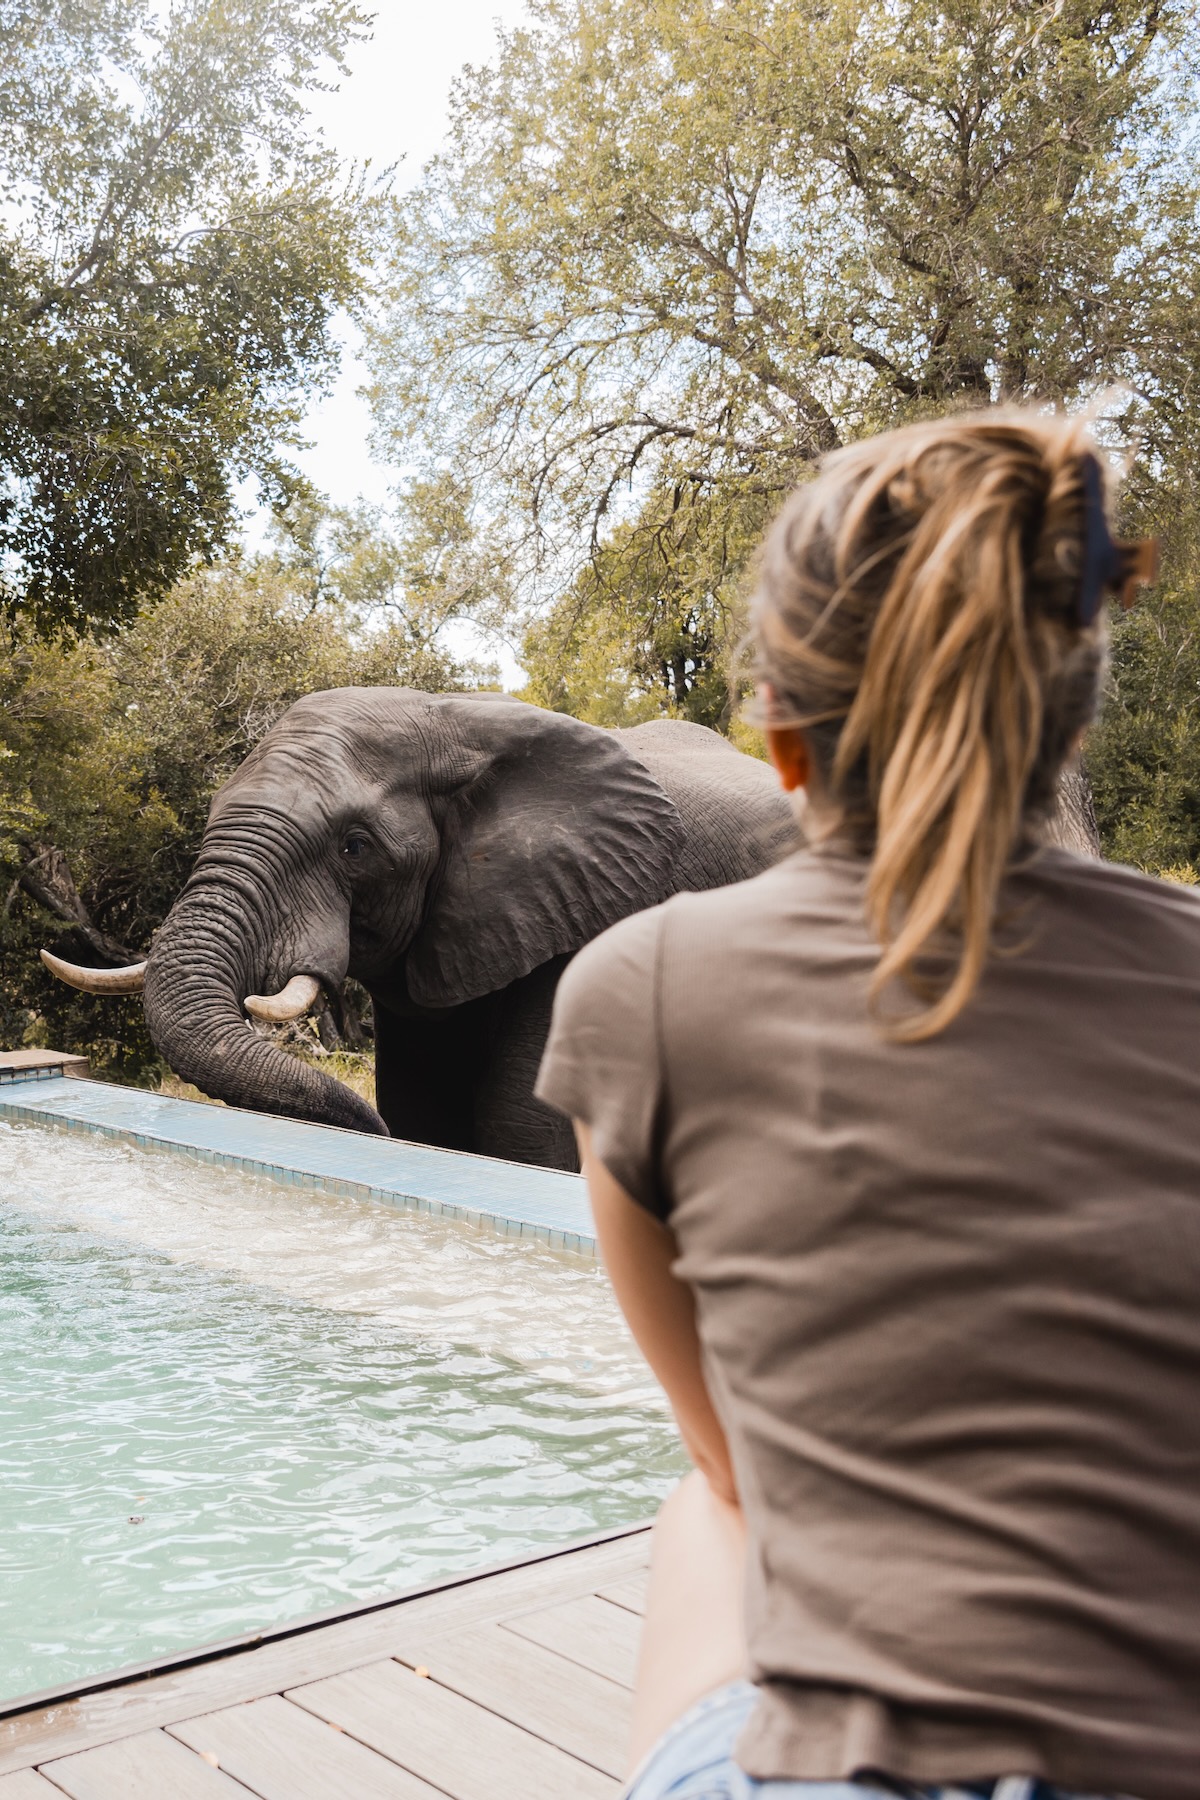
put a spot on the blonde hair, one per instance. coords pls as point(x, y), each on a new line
point(918, 615)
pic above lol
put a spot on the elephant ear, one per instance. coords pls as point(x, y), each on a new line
point(556, 834)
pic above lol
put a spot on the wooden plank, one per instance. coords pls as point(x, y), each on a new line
point(632, 1537)
point(629, 1594)
point(470, 1753)
point(284, 1753)
point(62, 1728)
point(583, 1713)
point(149, 1766)
point(588, 1631)
point(27, 1784)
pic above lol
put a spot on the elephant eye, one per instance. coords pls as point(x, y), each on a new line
point(356, 845)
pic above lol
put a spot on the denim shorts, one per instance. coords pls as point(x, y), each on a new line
point(694, 1761)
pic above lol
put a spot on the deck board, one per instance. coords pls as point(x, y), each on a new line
point(148, 1766)
point(629, 1594)
point(283, 1753)
point(471, 1753)
point(27, 1784)
point(588, 1631)
point(573, 1708)
point(527, 1692)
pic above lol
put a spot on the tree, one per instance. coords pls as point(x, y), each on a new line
point(402, 577)
point(1144, 754)
point(677, 249)
point(645, 626)
point(173, 242)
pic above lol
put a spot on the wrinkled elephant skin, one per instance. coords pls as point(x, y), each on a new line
point(450, 852)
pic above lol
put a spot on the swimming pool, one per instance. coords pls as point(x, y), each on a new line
point(228, 1403)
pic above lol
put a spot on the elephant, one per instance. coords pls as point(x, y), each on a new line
point(451, 852)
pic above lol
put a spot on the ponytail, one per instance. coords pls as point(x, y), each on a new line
point(918, 616)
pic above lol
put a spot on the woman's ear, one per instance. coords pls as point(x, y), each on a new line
point(787, 747)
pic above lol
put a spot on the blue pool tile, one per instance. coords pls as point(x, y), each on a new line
point(510, 1197)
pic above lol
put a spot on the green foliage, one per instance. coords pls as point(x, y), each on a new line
point(645, 627)
point(676, 249)
point(110, 753)
point(404, 572)
point(173, 242)
point(1143, 756)
point(577, 661)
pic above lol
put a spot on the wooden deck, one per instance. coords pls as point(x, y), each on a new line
point(506, 1686)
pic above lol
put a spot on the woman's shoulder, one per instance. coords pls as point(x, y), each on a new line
point(816, 886)
point(707, 940)
point(805, 880)
point(1133, 916)
point(625, 953)
point(1120, 880)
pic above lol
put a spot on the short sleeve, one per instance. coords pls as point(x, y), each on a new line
point(602, 1059)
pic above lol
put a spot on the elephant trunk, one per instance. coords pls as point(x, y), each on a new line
point(197, 976)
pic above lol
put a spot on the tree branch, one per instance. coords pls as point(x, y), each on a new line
point(47, 879)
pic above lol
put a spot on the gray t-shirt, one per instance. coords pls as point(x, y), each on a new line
point(949, 1300)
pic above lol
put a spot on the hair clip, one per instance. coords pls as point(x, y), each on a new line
point(1120, 565)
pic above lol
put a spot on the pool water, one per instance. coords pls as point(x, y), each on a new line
point(227, 1403)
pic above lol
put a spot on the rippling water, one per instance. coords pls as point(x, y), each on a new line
point(301, 1399)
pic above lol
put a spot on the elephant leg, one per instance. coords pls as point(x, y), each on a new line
point(509, 1120)
point(428, 1070)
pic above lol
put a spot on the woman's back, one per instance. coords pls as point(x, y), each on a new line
point(949, 1298)
point(919, 1110)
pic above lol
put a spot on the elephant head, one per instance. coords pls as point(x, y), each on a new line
point(435, 847)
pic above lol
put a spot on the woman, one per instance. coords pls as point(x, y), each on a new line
point(895, 1159)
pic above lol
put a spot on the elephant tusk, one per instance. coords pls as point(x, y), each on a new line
point(291, 1002)
point(129, 980)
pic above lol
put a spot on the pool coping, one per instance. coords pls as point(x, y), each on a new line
point(513, 1199)
point(271, 1634)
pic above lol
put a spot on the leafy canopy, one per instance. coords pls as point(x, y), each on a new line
point(173, 241)
point(675, 249)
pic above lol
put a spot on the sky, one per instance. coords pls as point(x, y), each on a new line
point(393, 107)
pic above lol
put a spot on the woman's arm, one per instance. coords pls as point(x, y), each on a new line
point(692, 1638)
point(638, 1253)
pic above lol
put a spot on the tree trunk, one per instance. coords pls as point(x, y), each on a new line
point(47, 878)
point(1073, 824)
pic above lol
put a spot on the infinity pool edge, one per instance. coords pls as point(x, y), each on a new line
point(512, 1199)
